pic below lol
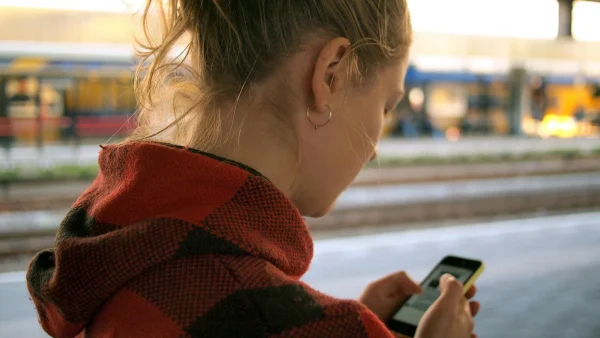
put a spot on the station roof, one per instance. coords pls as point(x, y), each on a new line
point(109, 35)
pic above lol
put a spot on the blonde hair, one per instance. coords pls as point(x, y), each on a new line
point(233, 44)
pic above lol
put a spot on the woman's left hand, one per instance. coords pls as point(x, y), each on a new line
point(384, 296)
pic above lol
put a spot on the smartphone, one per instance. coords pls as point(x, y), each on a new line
point(407, 318)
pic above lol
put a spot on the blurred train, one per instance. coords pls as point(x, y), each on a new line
point(50, 92)
point(454, 101)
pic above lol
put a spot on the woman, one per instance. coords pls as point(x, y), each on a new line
point(194, 226)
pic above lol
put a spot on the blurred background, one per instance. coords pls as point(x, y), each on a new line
point(494, 154)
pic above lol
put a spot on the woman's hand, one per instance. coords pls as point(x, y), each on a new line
point(451, 316)
point(384, 296)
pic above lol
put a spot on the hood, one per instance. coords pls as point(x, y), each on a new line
point(152, 203)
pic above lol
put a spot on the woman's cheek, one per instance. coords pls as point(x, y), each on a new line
point(377, 129)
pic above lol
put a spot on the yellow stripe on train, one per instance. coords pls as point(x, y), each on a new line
point(28, 64)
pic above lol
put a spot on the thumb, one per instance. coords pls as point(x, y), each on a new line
point(451, 290)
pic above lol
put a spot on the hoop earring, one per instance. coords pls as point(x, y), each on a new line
point(317, 126)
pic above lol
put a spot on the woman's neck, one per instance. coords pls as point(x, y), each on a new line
point(251, 140)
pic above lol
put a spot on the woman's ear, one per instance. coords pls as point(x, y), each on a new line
point(330, 70)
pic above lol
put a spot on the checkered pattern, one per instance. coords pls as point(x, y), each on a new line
point(169, 242)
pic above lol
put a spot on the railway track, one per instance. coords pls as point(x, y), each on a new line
point(57, 195)
point(14, 244)
point(37, 203)
point(462, 172)
point(452, 209)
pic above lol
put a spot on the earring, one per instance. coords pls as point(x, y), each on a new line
point(317, 126)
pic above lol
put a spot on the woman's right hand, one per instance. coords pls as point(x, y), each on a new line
point(451, 316)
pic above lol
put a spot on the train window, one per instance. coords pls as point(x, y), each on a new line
point(125, 102)
point(70, 99)
point(53, 94)
point(100, 96)
point(448, 101)
point(21, 96)
point(3, 102)
point(51, 102)
point(91, 97)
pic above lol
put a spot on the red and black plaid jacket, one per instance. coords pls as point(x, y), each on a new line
point(171, 242)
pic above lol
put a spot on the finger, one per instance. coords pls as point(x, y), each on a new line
point(397, 285)
point(474, 335)
point(384, 296)
point(465, 305)
point(474, 307)
point(451, 291)
point(471, 293)
point(404, 284)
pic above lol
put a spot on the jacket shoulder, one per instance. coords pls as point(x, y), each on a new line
point(290, 308)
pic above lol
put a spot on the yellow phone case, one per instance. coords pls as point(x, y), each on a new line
point(473, 278)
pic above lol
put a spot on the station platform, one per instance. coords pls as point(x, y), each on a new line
point(540, 279)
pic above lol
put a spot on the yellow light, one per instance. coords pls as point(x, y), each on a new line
point(558, 126)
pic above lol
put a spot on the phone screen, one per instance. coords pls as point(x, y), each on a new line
point(414, 308)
